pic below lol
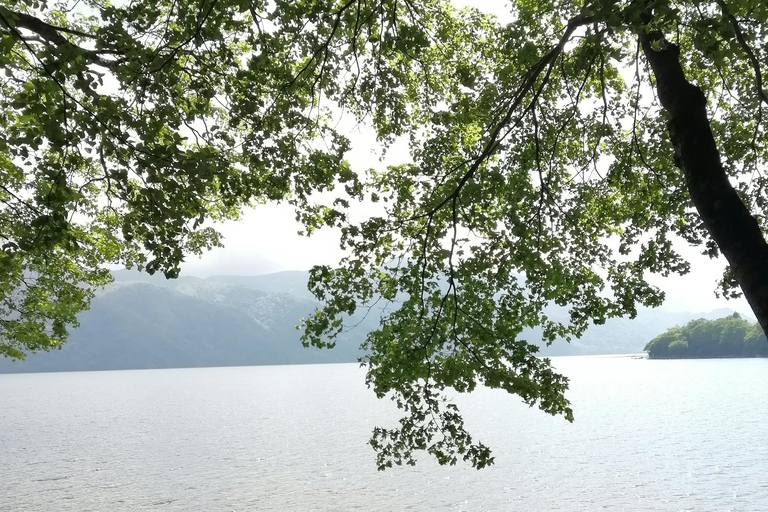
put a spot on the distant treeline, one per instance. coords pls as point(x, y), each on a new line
point(730, 336)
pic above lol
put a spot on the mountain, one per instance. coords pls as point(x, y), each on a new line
point(147, 322)
point(143, 321)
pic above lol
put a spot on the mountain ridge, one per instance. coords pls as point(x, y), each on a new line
point(141, 321)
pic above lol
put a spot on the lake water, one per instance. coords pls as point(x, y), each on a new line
point(648, 435)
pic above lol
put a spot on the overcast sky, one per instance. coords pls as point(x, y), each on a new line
point(265, 240)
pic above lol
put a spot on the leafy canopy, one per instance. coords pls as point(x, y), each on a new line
point(730, 336)
point(541, 173)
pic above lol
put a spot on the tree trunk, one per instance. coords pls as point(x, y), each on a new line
point(725, 216)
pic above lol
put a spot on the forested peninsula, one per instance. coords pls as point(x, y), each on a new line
point(730, 336)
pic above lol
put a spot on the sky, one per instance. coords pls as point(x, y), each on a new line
point(265, 240)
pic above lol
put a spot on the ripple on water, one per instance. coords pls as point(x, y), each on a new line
point(648, 435)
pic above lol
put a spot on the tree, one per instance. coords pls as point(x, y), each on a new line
point(125, 129)
point(671, 342)
point(755, 341)
point(555, 160)
point(730, 336)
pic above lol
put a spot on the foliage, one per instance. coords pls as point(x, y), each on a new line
point(541, 172)
point(124, 128)
point(730, 336)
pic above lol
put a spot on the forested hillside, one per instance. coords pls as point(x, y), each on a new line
point(144, 322)
point(730, 336)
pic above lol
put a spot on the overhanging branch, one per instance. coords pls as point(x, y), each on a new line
point(53, 34)
point(761, 95)
point(544, 65)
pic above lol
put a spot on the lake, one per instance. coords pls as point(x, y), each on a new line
point(648, 435)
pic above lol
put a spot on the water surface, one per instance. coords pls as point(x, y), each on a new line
point(648, 435)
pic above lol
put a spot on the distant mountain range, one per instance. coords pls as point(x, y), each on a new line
point(143, 321)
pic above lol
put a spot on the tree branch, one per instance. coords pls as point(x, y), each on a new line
point(52, 33)
point(546, 62)
point(761, 95)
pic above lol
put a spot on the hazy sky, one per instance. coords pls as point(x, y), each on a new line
point(266, 239)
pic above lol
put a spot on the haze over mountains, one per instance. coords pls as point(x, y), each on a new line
point(143, 321)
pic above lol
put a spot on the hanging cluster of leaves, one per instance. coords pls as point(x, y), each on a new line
point(543, 177)
point(542, 173)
